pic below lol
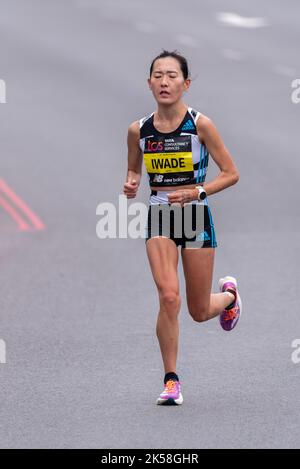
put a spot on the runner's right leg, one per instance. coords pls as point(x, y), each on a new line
point(163, 258)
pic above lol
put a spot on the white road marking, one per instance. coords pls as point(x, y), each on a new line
point(233, 19)
point(186, 40)
point(231, 54)
point(86, 3)
point(145, 27)
point(285, 71)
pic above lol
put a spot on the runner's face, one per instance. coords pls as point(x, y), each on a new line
point(167, 82)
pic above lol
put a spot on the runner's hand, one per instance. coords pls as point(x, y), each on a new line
point(131, 188)
point(181, 196)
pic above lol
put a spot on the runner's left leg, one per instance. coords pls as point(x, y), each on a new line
point(198, 267)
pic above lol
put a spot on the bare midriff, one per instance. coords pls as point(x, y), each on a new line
point(175, 188)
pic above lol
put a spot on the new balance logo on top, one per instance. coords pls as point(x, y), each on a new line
point(158, 178)
point(188, 125)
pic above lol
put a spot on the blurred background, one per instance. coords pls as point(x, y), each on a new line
point(78, 313)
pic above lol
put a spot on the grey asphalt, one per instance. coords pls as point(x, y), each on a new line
point(78, 313)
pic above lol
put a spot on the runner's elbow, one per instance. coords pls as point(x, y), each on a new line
point(236, 177)
point(232, 178)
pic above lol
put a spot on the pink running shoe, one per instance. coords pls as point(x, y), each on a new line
point(229, 317)
point(171, 395)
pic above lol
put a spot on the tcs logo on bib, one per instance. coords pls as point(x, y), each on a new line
point(154, 146)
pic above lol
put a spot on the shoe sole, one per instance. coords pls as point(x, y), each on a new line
point(170, 401)
point(233, 280)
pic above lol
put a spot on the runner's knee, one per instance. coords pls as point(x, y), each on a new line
point(199, 314)
point(170, 301)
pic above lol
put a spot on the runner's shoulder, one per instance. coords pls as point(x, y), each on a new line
point(204, 126)
point(134, 132)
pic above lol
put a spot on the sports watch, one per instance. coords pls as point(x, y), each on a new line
point(201, 193)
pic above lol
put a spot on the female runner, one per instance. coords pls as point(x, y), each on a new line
point(175, 142)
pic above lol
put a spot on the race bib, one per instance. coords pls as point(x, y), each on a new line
point(169, 160)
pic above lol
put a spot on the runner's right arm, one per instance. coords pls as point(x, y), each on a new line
point(135, 160)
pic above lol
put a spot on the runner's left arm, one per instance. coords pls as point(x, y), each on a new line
point(229, 175)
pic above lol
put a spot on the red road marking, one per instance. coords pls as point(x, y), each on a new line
point(21, 205)
point(23, 226)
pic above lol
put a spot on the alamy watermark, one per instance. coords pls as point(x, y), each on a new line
point(140, 221)
point(2, 92)
point(296, 354)
point(295, 96)
point(2, 351)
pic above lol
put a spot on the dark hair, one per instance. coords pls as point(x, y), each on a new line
point(182, 61)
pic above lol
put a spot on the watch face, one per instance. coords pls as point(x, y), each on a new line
point(201, 193)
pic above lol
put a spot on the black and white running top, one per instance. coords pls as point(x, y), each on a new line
point(175, 158)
